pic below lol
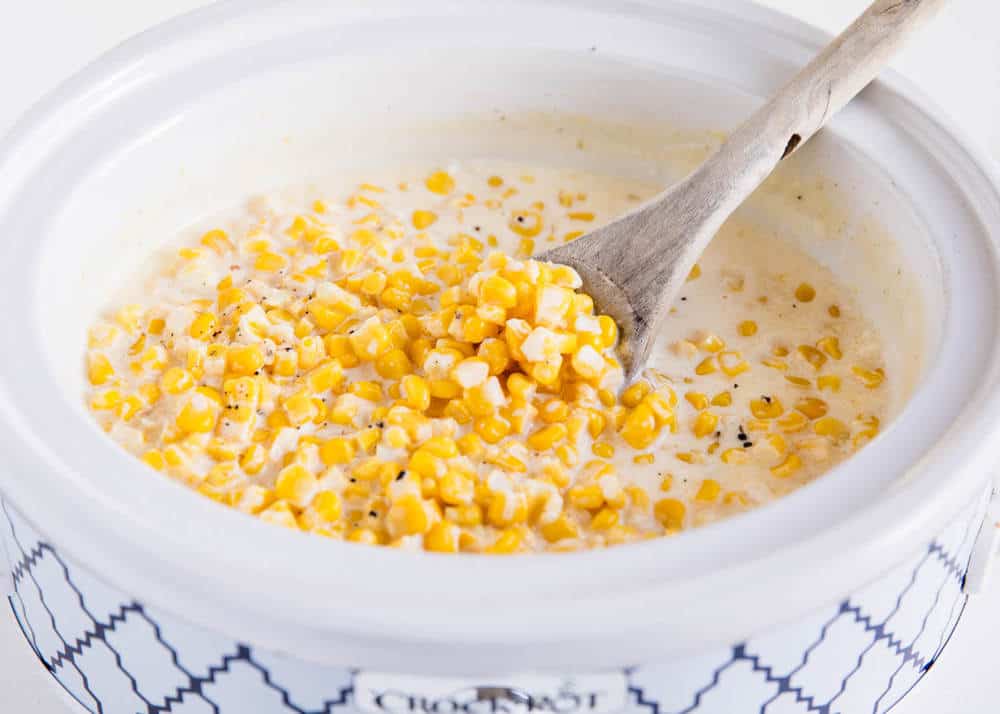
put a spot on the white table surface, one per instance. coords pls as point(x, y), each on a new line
point(44, 41)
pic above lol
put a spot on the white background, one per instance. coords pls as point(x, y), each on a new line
point(957, 62)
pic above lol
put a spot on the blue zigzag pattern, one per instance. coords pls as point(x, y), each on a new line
point(954, 570)
point(22, 571)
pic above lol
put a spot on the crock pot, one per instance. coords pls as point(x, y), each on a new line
point(140, 596)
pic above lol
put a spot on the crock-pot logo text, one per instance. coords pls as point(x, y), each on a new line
point(567, 698)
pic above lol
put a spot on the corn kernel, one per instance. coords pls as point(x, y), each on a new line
point(708, 492)
point(440, 182)
point(788, 467)
point(670, 513)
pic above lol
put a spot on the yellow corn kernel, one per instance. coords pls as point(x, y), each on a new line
point(509, 541)
point(694, 273)
point(440, 182)
point(370, 340)
point(828, 382)
point(710, 342)
point(329, 375)
point(670, 513)
point(415, 392)
point(706, 366)
point(155, 459)
point(443, 446)
point(492, 428)
point(603, 449)
point(586, 497)
point(789, 466)
point(270, 262)
point(609, 331)
point(363, 535)
point(494, 352)
point(766, 408)
point(747, 328)
point(197, 416)
point(336, 451)
point(471, 445)
point(640, 427)
point(526, 223)
point(445, 389)
point(708, 492)
point(697, 400)
point(456, 488)
point(792, 422)
point(374, 283)
point(871, 378)
point(830, 346)
point(777, 443)
point(131, 406)
point(604, 519)
point(408, 516)
point(812, 407)
point(423, 219)
point(99, 369)
point(328, 506)
point(218, 240)
point(253, 459)
point(777, 364)
point(800, 382)
point(732, 363)
point(635, 394)
point(735, 455)
point(442, 538)
point(722, 399)
point(561, 528)
point(831, 427)
point(176, 381)
point(369, 391)
point(805, 292)
point(497, 290)
point(547, 437)
point(244, 359)
point(203, 325)
point(424, 463)
point(812, 355)
point(149, 392)
point(368, 439)
point(296, 485)
point(705, 424)
point(643, 459)
point(393, 364)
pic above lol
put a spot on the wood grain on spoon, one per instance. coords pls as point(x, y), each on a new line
point(635, 266)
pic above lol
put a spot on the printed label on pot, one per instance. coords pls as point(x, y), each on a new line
point(518, 694)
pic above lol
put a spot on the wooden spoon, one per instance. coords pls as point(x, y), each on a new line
point(634, 266)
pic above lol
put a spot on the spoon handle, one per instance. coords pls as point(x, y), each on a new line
point(795, 113)
point(635, 266)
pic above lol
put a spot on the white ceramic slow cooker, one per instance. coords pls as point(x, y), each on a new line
point(140, 596)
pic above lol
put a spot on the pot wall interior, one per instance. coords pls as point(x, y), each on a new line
point(169, 161)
